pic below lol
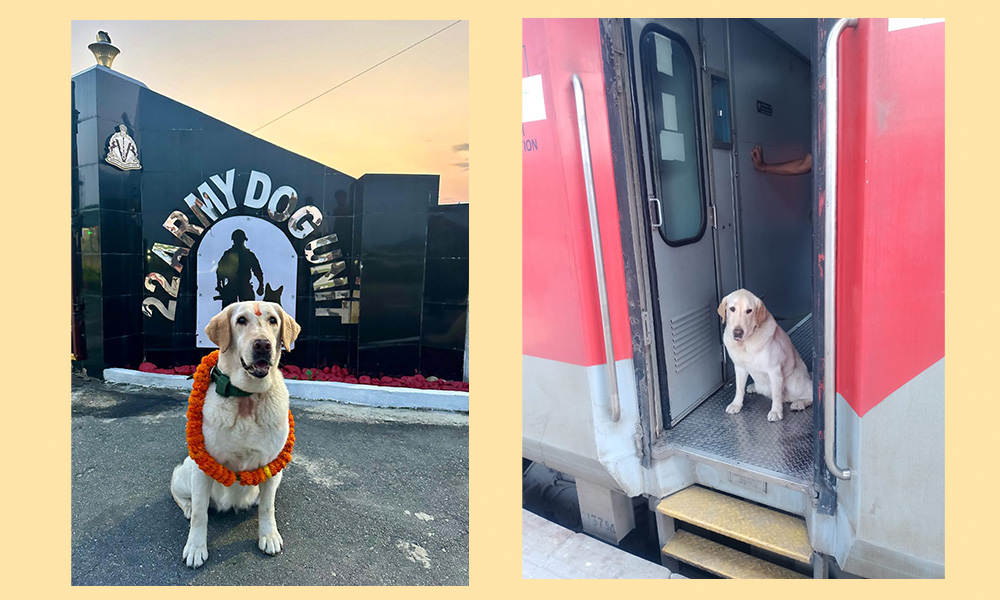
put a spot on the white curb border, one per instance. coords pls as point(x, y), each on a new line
point(348, 393)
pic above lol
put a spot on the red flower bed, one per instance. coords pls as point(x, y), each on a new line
point(336, 373)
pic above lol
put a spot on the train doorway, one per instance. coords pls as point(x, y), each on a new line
point(706, 92)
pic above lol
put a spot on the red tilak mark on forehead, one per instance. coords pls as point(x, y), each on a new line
point(256, 309)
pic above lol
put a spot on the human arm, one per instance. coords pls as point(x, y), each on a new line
point(798, 166)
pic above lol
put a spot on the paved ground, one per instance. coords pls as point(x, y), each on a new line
point(371, 497)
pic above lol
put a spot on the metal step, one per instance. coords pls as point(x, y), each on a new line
point(758, 526)
point(723, 561)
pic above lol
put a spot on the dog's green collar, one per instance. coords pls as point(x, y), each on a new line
point(225, 387)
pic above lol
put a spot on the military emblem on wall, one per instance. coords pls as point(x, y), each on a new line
point(122, 151)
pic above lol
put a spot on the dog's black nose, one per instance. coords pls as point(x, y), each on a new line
point(262, 346)
point(737, 333)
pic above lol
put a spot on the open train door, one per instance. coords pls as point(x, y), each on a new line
point(879, 451)
point(673, 133)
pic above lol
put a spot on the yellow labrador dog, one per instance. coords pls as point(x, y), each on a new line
point(242, 433)
point(764, 351)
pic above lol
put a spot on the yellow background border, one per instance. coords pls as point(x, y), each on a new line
point(36, 275)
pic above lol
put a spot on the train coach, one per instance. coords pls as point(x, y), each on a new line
point(642, 209)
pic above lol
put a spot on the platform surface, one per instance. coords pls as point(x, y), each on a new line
point(550, 551)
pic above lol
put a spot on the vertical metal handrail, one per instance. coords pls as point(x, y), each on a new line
point(595, 234)
point(830, 253)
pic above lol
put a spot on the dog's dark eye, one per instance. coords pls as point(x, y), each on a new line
point(241, 321)
point(732, 309)
point(273, 320)
point(748, 310)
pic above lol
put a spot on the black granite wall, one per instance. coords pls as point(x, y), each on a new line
point(446, 291)
point(382, 224)
point(392, 223)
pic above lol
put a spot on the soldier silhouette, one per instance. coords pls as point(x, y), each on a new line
point(233, 273)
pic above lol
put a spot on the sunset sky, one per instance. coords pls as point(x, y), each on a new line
point(409, 115)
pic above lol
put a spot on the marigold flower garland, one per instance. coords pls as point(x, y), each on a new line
point(196, 439)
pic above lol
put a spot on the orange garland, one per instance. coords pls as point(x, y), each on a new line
point(196, 440)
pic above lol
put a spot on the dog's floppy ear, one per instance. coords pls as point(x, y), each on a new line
point(722, 308)
point(289, 328)
point(218, 329)
point(760, 312)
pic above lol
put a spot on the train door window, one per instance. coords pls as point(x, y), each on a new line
point(673, 124)
point(722, 134)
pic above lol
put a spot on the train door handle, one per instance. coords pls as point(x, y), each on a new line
point(830, 252)
point(595, 235)
point(658, 213)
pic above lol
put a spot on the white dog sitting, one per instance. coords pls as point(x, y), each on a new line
point(245, 422)
point(764, 351)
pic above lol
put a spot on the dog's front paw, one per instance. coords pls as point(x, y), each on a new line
point(195, 553)
point(774, 415)
point(271, 543)
point(734, 407)
point(798, 405)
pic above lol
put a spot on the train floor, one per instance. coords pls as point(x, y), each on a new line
point(783, 449)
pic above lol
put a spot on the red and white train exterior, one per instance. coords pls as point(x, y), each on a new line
point(876, 504)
